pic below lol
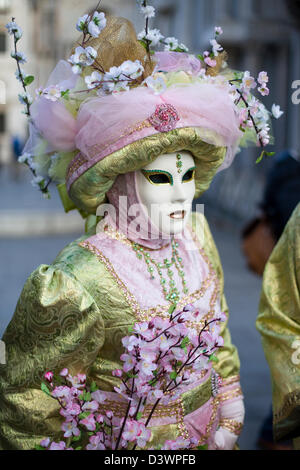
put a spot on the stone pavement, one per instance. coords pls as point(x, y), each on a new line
point(19, 257)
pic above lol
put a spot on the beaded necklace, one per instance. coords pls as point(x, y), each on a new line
point(170, 293)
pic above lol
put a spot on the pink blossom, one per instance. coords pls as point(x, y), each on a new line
point(263, 78)
point(70, 429)
point(78, 381)
point(147, 368)
point(49, 376)
point(130, 342)
point(95, 443)
point(248, 81)
point(109, 414)
point(89, 422)
point(64, 372)
point(264, 90)
point(222, 317)
point(58, 446)
point(45, 442)
point(129, 362)
point(91, 406)
point(210, 62)
point(61, 392)
point(144, 435)
point(71, 410)
point(218, 30)
point(99, 396)
point(117, 373)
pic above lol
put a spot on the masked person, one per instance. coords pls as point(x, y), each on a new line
point(156, 149)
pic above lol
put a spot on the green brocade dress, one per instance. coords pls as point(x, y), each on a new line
point(279, 324)
point(74, 314)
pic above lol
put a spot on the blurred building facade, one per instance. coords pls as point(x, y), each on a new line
point(258, 35)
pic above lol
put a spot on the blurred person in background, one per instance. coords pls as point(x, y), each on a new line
point(282, 194)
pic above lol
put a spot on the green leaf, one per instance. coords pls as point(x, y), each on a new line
point(84, 415)
point(173, 375)
point(172, 309)
point(65, 94)
point(28, 80)
point(76, 438)
point(185, 342)
point(200, 57)
point(93, 387)
point(139, 416)
point(213, 358)
point(263, 154)
point(87, 396)
point(78, 448)
point(45, 389)
point(144, 44)
point(202, 447)
point(130, 329)
point(38, 447)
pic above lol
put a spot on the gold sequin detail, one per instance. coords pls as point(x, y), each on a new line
point(230, 381)
point(230, 394)
point(97, 148)
point(75, 164)
point(231, 425)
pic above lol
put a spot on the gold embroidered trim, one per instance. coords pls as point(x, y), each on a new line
point(231, 425)
point(230, 381)
point(94, 150)
point(76, 163)
point(121, 237)
point(236, 392)
point(205, 437)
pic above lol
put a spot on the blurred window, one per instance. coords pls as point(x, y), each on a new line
point(2, 42)
point(5, 6)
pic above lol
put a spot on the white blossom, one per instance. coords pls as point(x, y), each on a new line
point(131, 69)
point(218, 30)
point(148, 12)
point(183, 47)
point(216, 47)
point(158, 85)
point(24, 158)
point(19, 56)
point(83, 57)
point(14, 29)
point(25, 98)
point(97, 24)
point(171, 44)
point(82, 23)
point(36, 181)
point(20, 75)
point(154, 36)
point(92, 80)
point(276, 111)
point(52, 93)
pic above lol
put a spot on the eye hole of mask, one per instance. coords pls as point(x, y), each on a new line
point(158, 177)
point(189, 175)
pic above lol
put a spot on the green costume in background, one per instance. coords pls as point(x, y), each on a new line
point(279, 324)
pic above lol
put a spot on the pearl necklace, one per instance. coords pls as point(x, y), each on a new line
point(171, 294)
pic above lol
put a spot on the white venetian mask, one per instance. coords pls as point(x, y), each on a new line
point(166, 188)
